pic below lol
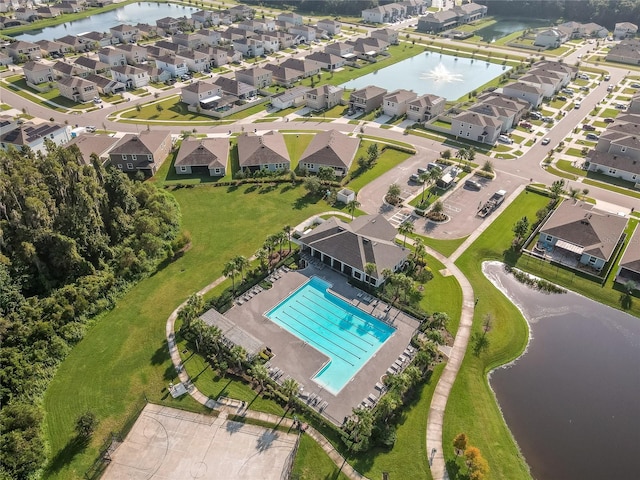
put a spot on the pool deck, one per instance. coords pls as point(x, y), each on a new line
point(301, 361)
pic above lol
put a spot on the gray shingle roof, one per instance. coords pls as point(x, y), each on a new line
point(206, 152)
point(267, 149)
point(331, 148)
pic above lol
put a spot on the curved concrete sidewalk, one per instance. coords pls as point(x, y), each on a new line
point(200, 397)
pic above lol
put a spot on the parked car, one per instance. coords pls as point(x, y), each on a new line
point(609, 120)
point(431, 166)
point(620, 106)
point(473, 185)
point(545, 141)
point(415, 178)
point(535, 115)
point(422, 170)
point(587, 127)
point(505, 139)
point(567, 90)
point(90, 129)
point(607, 78)
point(562, 98)
point(577, 104)
point(610, 88)
point(583, 76)
point(584, 89)
point(525, 125)
point(547, 119)
point(592, 136)
point(97, 100)
point(635, 85)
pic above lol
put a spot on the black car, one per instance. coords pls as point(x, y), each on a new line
point(473, 185)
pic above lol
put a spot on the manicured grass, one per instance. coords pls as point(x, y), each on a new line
point(560, 173)
point(442, 294)
point(313, 463)
point(566, 166)
point(472, 408)
point(445, 247)
point(387, 160)
point(607, 186)
point(574, 152)
point(296, 145)
point(124, 355)
point(408, 458)
point(172, 109)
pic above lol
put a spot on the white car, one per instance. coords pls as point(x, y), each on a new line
point(546, 141)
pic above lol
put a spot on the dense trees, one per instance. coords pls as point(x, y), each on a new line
point(72, 236)
point(320, 7)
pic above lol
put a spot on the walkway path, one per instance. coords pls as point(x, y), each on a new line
point(201, 398)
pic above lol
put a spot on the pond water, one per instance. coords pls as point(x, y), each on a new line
point(504, 27)
point(572, 400)
point(144, 12)
point(430, 72)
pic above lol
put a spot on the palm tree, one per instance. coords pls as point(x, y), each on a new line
point(290, 389)
point(352, 206)
point(419, 250)
point(405, 228)
point(230, 270)
point(280, 237)
point(241, 263)
point(424, 178)
point(237, 355)
point(288, 230)
point(260, 374)
point(262, 255)
point(435, 174)
point(370, 269)
point(437, 207)
point(393, 193)
point(471, 154)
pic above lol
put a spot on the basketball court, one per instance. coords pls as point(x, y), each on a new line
point(167, 443)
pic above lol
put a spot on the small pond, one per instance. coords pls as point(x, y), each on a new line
point(506, 26)
point(572, 400)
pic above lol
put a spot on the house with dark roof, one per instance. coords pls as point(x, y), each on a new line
point(629, 266)
point(282, 75)
point(366, 99)
point(144, 152)
point(388, 35)
point(98, 39)
point(125, 33)
point(201, 94)
point(22, 51)
point(106, 86)
point(231, 86)
point(134, 54)
point(89, 144)
point(324, 97)
point(330, 149)
point(306, 67)
point(425, 107)
point(506, 109)
point(53, 48)
point(263, 152)
point(90, 65)
point(257, 76)
point(77, 89)
point(349, 247)
point(175, 65)
point(327, 61)
point(206, 155)
point(627, 51)
point(35, 136)
point(577, 235)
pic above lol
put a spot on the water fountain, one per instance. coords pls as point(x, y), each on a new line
point(440, 74)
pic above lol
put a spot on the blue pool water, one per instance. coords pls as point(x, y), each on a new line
point(346, 334)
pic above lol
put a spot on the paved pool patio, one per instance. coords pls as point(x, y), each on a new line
point(301, 361)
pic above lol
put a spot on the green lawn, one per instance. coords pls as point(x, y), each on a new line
point(442, 294)
point(387, 160)
point(313, 463)
point(296, 145)
point(172, 109)
point(471, 407)
point(560, 173)
point(124, 356)
point(566, 166)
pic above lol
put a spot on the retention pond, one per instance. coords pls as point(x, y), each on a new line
point(571, 401)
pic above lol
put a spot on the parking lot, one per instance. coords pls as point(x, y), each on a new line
point(462, 204)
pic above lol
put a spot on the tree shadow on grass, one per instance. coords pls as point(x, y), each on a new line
point(303, 202)
point(74, 446)
point(161, 355)
point(454, 470)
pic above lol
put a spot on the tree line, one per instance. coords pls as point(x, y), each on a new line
point(72, 238)
point(603, 12)
point(320, 7)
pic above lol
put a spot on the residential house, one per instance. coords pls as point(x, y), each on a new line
point(285, 39)
point(208, 37)
point(52, 48)
point(549, 85)
point(627, 51)
point(395, 103)
point(217, 56)
point(47, 12)
point(37, 73)
point(132, 77)
point(201, 94)
point(156, 75)
point(476, 127)
point(293, 97)
point(332, 27)
point(90, 65)
point(324, 97)
point(170, 46)
point(106, 86)
point(263, 152)
point(231, 34)
point(147, 31)
point(173, 64)
point(62, 69)
point(191, 40)
point(112, 57)
point(25, 14)
point(290, 17)
point(617, 152)
point(470, 12)
point(242, 90)
point(206, 155)
point(366, 99)
point(75, 43)
point(624, 30)
point(508, 110)
point(34, 136)
point(134, 54)
point(303, 32)
point(69, 7)
point(634, 106)
point(416, 7)
point(330, 149)
point(435, 22)
point(425, 107)
point(21, 51)
point(257, 76)
point(581, 235)
point(327, 61)
point(5, 59)
point(593, 30)
point(98, 40)
point(388, 35)
point(629, 266)
point(283, 76)
point(270, 43)
point(240, 12)
point(144, 152)
point(368, 48)
point(550, 38)
point(258, 26)
point(307, 67)
point(568, 72)
point(195, 60)
point(8, 123)
point(249, 47)
point(88, 145)
point(206, 18)
point(389, 13)
point(77, 89)
point(125, 33)
point(341, 49)
point(525, 91)
point(168, 24)
point(349, 246)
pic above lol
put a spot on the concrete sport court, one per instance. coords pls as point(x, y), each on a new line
point(167, 443)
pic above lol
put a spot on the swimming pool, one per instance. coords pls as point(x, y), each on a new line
point(344, 333)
